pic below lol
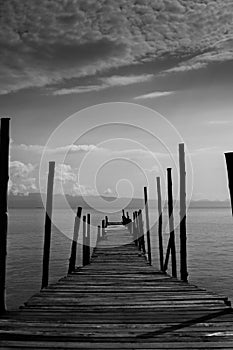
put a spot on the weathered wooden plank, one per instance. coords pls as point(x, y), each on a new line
point(116, 345)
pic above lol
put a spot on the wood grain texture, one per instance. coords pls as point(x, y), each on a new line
point(119, 301)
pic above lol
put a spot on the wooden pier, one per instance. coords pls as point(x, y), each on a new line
point(119, 301)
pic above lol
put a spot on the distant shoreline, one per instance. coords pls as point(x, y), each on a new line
point(34, 201)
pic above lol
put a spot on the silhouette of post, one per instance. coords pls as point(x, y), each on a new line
point(183, 235)
point(106, 221)
point(98, 234)
point(4, 178)
point(229, 162)
point(141, 230)
point(48, 224)
point(137, 231)
point(134, 229)
point(147, 226)
point(171, 222)
point(75, 240)
point(88, 242)
point(103, 229)
point(84, 240)
point(160, 224)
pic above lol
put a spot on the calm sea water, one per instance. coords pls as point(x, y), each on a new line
point(210, 247)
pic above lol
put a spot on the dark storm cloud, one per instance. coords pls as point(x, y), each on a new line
point(44, 42)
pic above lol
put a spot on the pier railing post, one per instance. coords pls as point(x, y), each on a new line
point(73, 254)
point(48, 224)
point(4, 178)
point(229, 162)
point(84, 240)
point(141, 230)
point(98, 233)
point(137, 231)
point(160, 223)
point(106, 221)
point(88, 242)
point(147, 226)
point(134, 229)
point(183, 234)
point(103, 229)
point(171, 222)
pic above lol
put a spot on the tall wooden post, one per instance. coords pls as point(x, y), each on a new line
point(183, 235)
point(4, 178)
point(88, 242)
point(160, 224)
point(106, 221)
point(75, 240)
point(134, 229)
point(147, 226)
point(171, 222)
point(141, 231)
point(137, 230)
point(48, 224)
point(84, 241)
point(229, 162)
point(98, 234)
point(103, 229)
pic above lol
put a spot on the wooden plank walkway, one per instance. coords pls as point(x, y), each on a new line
point(119, 302)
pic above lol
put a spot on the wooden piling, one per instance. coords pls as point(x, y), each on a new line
point(103, 229)
point(141, 230)
point(135, 229)
point(84, 241)
point(147, 226)
point(160, 223)
point(229, 162)
point(4, 178)
point(106, 221)
point(98, 233)
point(171, 222)
point(165, 266)
point(48, 224)
point(183, 235)
point(129, 225)
point(73, 254)
point(88, 242)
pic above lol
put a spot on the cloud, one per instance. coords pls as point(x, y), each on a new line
point(39, 149)
point(78, 90)
point(220, 52)
point(203, 151)
point(22, 178)
point(65, 174)
point(185, 67)
point(116, 80)
point(48, 42)
point(108, 191)
point(66, 182)
point(219, 122)
point(155, 94)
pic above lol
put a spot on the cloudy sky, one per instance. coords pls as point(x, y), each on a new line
point(58, 57)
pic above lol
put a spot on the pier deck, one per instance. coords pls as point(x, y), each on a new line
point(119, 302)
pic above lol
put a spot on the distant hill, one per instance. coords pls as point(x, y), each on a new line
point(34, 200)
